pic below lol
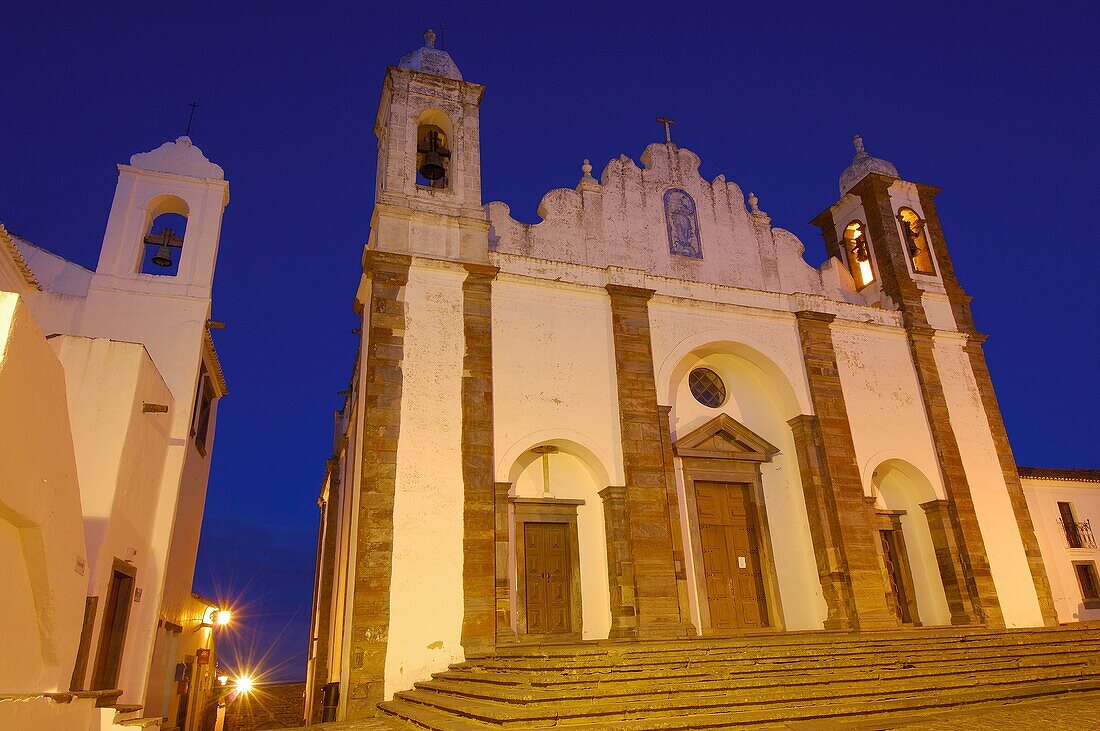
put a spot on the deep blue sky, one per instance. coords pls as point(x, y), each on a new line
point(996, 106)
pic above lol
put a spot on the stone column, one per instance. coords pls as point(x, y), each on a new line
point(620, 564)
point(479, 622)
point(679, 547)
point(381, 403)
point(647, 507)
point(824, 522)
point(505, 633)
point(858, 536)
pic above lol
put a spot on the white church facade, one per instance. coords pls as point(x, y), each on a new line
point(646, 416)
point(109, 386)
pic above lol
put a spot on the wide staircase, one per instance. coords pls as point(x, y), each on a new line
point(799, 680)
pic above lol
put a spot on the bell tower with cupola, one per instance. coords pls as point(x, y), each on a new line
point(887, 232)
point(428, 191)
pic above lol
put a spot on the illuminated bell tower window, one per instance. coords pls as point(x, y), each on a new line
point(857, 249)
point(915, 236)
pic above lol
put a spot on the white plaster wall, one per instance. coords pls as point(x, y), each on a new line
point(1003, 544)
point(120, 459)
point(882, 396)
point(571, 478)
point(1043, 496)
point(554, 372)
point(426, 604)
point(41, 533)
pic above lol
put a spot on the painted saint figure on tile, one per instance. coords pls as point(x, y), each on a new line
point(682, 224)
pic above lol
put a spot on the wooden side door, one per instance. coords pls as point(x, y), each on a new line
point(112, 637)
point(731, 556)
point(547, 578)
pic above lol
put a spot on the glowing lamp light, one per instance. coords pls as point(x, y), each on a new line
point(244, 684)
point(221, 617)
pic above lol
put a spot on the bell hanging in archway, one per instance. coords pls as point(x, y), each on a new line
point(433, 152)
point(163, 257)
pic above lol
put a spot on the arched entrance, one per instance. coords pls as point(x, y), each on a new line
point(908, 551)
point(551, 533)
point(732, 551)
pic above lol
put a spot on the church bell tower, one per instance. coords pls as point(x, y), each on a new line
point(428, 193)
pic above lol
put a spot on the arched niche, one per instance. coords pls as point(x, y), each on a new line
point(435, 142)
point(570, 497)
point(759, 397)
point(900, 492)
point(163, 236)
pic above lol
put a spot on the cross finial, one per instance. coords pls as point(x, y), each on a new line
point(668, 127)
point(429, 38)
point(858, 142)
point(193, 106)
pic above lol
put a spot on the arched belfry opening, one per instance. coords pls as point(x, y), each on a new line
point(857, 250)
point(915, 235)
point(433, 150)
point(163, 238)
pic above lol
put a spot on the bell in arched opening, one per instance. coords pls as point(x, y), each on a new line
point(432, 155)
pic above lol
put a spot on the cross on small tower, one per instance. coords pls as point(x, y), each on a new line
point(193, 106)
point(668, 127)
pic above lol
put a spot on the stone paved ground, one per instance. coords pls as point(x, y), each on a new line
point(1079, 713)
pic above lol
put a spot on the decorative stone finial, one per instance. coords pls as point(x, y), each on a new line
point(754, 203)
point(857, 140)
point(185, 141)
point(429, 38)
point(587, 181)
point(862, 164)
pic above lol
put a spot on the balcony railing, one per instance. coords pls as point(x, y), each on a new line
point(1078, 535)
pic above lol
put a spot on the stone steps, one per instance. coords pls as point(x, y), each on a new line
point(701, 664)
point(524, 693)
point(762, 681)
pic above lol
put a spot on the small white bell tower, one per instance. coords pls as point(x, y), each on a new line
point(428, 195)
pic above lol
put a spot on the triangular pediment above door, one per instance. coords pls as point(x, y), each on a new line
point(723, 437)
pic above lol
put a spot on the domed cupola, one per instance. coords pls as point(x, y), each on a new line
point(862, 164)
point(431, 60)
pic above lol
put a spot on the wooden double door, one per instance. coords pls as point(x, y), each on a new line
point(732, 563)
point(546, 555)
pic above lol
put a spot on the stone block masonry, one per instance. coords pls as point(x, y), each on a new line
point(385, 322)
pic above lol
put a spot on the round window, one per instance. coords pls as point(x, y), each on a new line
point(707, 387)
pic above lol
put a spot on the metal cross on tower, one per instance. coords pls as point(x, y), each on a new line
point(194, 106)
point(668, 127)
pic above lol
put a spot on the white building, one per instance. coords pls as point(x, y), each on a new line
point(647, 416)
point(116, 377)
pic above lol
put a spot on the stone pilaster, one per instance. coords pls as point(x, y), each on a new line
point(505, 634)
point(647, 505)
point(890, 253)
point(479, 510)
point(672, 495)
point(384, 318)
point(620, 564)
point(964, 520)
point(964, 320)
point(858, 544)
point(324, 575)
point(949, 560)
point(824, 521)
